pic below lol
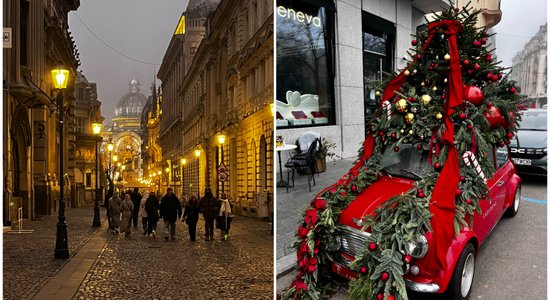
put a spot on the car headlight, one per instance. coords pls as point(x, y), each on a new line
point(335, 244)
point(418, 247)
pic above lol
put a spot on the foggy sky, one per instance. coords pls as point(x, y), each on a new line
point(141, 29)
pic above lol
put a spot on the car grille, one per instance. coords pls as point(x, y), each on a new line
point(530, 153)
point(353, 240)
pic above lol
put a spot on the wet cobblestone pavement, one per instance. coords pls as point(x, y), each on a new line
point(142, 267)
point(28, 261)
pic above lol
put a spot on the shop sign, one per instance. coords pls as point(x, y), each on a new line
point(299, 16)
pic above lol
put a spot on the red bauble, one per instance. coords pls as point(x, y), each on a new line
point(421, 195)
point(372, 246)
point(414, 42)
point(470, 72)
point(477, 67)
point(462, 116)
point(381, 133)
point(407, 259)
point(505, 123)
point(483, 40)
point(396, 149)
point(490, 104)
point(489, 75)
point(462, 178)
point(470, 127)
point(495, 78)
point(437, 166)
point(391, 297)
point(363, 270)
point(469, 201)
point(513, 90)
point(354, 188)
point(466, 62)
point(499, 75)
point(379, 296)
point(384, 276)
point(510, 135)
point(501, 144)
point(473, 94)
point(488, 57)
point(476, 43)
point(419, 147)
point(493, 116)
point(418, 56)
point(458, 192)
point(393, 135)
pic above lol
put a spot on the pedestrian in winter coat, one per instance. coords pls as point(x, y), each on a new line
point(170, 212)
point(136, 200)
point(127, 210)
point(108, 197)
point(209, 208)
point(114, 209)
point(143, 213)
point(223, 221)
point(152, 210)
point(191, 216)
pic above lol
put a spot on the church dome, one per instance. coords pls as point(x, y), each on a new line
point(131, 104)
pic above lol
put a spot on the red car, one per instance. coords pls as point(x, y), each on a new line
point(401, 171)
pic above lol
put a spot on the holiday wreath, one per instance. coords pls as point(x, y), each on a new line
point(452, 103)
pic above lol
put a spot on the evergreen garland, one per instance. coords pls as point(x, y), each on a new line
point(415, 117)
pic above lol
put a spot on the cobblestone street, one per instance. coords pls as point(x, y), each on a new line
point(151, 268)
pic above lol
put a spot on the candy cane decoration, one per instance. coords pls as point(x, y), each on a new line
point(470, 158)
point(386, 104)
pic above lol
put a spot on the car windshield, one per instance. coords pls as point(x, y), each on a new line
point(533, 120)
point(408, 162)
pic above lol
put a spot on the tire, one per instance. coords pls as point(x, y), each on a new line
point(513, 209)
point(462, 280)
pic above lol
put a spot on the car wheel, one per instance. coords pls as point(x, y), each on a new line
point(513, 209)
point(463, 276)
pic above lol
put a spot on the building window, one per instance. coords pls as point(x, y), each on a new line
point(305, 76)
point(88, 181)
point(193, 50)
point(378, 49)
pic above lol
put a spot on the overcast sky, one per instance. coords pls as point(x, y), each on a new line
point(520, 21)
point(140, 29)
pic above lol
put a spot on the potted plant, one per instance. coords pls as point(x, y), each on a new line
point(324, 152)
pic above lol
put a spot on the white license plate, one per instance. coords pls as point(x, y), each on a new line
point(522, 161)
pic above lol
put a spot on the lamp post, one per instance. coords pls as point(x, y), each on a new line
point(221, 141)
point(96, 130)
point(183, 162)
point(198, 155)
point(60, 78)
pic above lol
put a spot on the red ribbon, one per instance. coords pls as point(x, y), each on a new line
point(442, 205)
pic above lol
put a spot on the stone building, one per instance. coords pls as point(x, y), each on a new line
point(40, 41)
point(150, 149)
point(227, 89)
point(529, 69)
point(87, 111)
point(125, 132)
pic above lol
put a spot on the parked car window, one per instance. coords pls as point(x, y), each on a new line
point(408, 162)
point(533, 120)
point(502, 156)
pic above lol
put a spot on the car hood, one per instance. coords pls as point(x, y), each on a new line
point(530, 139)
point(372, 197)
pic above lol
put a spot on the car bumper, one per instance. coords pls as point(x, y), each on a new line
point(534, 169)
point(422, 287)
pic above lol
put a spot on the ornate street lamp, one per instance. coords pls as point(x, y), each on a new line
point(198, 155)
point(221, 141)
point(183, 162)
point(60, 77)
point(96, 130)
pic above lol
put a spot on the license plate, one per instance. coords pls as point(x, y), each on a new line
point(343, 271)
point(522, 161)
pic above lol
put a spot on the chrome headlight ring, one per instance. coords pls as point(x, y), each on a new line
point(418, 247)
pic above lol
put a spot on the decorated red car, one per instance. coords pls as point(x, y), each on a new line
point(401, 171)
point(432, 179)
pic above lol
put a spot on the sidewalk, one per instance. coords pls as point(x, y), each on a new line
point(113, 267)
point(291, 204)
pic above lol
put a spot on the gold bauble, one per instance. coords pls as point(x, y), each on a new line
point(434, 88)
point(409, 118)
point(377, 93)
point(401, 105)
point(402, 131)
point(445, 80)
point(447, 57)
point(426, 99)
point(411, 132)
point(439, 116)
point(407, 72)
point(414, 71)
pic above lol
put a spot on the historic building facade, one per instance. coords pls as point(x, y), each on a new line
point(529, 69)
point(150, 148)
point(40, 41)
point(228, 90)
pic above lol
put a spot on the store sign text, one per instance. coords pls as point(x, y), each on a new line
point(299, 16)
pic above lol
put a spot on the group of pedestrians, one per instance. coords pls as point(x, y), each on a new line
point(125, 210)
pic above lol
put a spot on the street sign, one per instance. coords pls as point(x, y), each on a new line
point(222, 168)
point(7, 37)
point(222, 176)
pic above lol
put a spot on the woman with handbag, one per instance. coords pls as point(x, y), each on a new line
point(191, 216)
point(224, 217)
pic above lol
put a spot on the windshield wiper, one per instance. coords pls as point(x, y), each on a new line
point(412, 173)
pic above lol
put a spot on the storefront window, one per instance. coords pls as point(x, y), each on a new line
point(378, 48)
point(305, 88)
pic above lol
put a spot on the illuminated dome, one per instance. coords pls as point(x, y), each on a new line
point(131, 104)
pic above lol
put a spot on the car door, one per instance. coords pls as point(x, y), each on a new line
point(491, 209)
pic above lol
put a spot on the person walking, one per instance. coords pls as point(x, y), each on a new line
point(108, 197)
point(114, 209)
point(143, 213)
point(191, 216)
point(208, 206)
point(136, 200)
point(170, 212)
point(127, 210)
point(223, 221)
point(152, 210)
